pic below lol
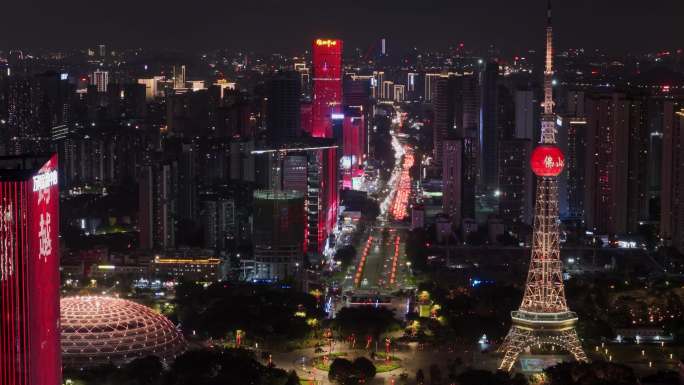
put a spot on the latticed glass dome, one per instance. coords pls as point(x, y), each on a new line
point(99, 330)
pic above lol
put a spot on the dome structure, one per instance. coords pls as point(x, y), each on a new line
point(99, 330)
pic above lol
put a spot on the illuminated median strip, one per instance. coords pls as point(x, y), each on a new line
point(362, 262)
point(404, 188)
point(395, 260)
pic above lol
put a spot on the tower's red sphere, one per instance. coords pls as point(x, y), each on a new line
point(547, 160)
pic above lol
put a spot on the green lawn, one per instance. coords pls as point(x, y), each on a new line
point(387, 367)
point(320, 364)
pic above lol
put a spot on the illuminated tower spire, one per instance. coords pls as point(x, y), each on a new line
point(544, 317)
point(548, 118)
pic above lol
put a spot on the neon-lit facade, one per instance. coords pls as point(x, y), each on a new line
point(354, 142)
point(327, 87)
point(29, 271)
point(99, 330)
point(327, 102)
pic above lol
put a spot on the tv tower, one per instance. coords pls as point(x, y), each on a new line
point(543, 317)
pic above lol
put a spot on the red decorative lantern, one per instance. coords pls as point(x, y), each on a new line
point(547, 160)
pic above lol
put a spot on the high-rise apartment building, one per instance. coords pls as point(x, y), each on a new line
point(179, 79)
point(100, 80)
point(294, 173)
point(399, 94)
point(576, 153)
point(278, 238)
point(157, 206)
point(515, 182)
point(378, 80)
point(524, 114)
point(386, 90)
point(430, 85)
point(616, 182)
point(672, 175)
point(490, 126)
point(284, 91)
point(443, 104)
point(452, 179)
point(219, 221)
point(606, 175)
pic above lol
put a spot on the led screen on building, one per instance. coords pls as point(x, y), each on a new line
point(29, 271)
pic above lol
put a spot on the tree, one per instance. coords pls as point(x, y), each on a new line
point(367, 320)
point(144, 371)
point(364, 368)
point(346, 256)
point(226, 367)
point(260, 311)
point(371, 209)
point(484, 377)
point(292, 378)
point(416, 251)
point(340, 371)
point(420, 377)
point(435, 374)
point(595, 373)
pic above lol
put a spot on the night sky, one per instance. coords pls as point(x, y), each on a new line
point(288, 26)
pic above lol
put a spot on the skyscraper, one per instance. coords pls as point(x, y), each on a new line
point(179, 77)
point(515, 182)
point(327, 104)
point(607, 175)
point(327, 90)
point(283, 119)
point(378, 81)
point(354, 140)
point(524, 114)
point(29, 271)
point(157, 193)
point(430, 83)
point(399, 93)
point(278, 236)
point(490, 129)
point(576, 138)
point(219, 221)
point(672, 206)
point(100, 80)
point(452, 179)
point(443, 104)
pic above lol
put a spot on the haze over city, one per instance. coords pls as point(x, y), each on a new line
point(270, 25)
point(307, 193)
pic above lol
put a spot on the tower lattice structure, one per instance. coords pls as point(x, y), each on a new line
point(544, 317)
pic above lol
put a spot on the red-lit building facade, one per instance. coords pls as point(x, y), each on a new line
point(354, 143)
point(327, 87)
point(29, 271)
point(326, 104)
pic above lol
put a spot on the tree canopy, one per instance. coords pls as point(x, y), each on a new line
point(367, 320)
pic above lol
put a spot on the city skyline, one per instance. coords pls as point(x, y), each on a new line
point(341, 215)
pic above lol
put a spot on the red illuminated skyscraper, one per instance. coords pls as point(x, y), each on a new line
point(353, 144)
point(29, 271)
point(326, 105)
point(327, 89)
